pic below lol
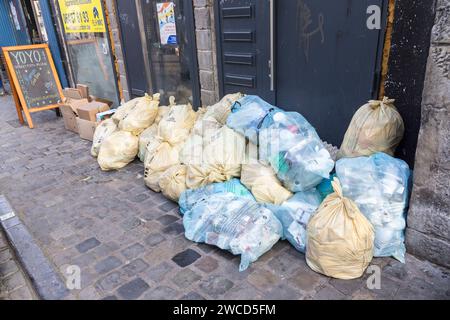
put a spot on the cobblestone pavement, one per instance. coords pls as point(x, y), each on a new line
point(14, 284)
point(129, 242)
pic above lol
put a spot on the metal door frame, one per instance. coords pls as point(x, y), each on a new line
point(274, 51)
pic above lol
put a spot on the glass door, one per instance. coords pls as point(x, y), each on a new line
point(169, 43)
point(86, 37)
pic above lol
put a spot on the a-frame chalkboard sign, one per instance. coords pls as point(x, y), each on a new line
point(34, 81)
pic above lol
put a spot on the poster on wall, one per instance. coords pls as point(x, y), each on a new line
point(82, 16)
point(166, 20)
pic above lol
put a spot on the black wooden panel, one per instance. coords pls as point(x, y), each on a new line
point(237, 12)
point(244, 36)
point(235, 58)
point(243, 47)
point(240, 80)
point(327, 61)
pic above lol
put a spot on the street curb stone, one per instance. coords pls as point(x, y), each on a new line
point(45, 280)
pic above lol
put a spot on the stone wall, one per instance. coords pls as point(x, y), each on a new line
point(428, 233)
point(206, 50)
point(117, 48)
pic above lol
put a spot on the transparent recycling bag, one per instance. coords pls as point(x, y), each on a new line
point(295, 214)
point(189, 198)
point(379, 186)
point(285, 140)
point(241, 226)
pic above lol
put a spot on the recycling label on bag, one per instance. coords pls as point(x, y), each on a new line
point(82, 16)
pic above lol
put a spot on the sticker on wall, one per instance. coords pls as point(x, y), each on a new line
point(82, 16)
point(166, 20)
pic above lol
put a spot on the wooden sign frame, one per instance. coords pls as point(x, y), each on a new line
point(19, 99)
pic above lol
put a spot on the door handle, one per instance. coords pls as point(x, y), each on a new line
point(272, 45)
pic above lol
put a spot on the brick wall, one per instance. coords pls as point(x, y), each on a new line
point(206, 50)
point(117, 48)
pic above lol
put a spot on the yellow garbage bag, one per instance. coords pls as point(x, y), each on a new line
point(164, 110)
point(340, 238)
point(262, 181)
point(192, 152)
point(375, 127)
point(103, 130)
point(151, 179)
point(141, 116)
point(164, 156)
point(214, 117)
point(222, 158)
point(221, 110)
point(118, 150)
point(123, 110)
point(176, 126)
point(145, 138)
point(173, 182)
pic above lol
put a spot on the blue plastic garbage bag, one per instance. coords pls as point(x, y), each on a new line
point(285, 140)
point(242, 226)
point(247, 116)
point(190, 198)
point(379, 186)
point(294, 215)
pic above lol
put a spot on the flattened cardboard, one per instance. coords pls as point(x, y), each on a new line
point(72, 93)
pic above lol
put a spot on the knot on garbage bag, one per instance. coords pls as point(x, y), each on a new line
point(386, 102)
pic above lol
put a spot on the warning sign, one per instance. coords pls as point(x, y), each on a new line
point(82, 16)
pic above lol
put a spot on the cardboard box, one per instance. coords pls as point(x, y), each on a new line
point(86, 128)
point(72, 93)
point(89, 110)
point(69, 117)
point(84, 91)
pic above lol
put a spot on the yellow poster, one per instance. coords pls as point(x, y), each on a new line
point(82, 16)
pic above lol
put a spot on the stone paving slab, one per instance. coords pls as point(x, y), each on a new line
point(129, 241)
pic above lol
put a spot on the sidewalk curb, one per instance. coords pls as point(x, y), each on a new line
point(45, 280)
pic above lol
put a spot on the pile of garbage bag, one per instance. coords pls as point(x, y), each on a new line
point(247, 174)
point(163, 151)
point(379, 186)
point(285, 140)
point(214, 153)
point(147, 135)
point(116, 140)
point(237, 224)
